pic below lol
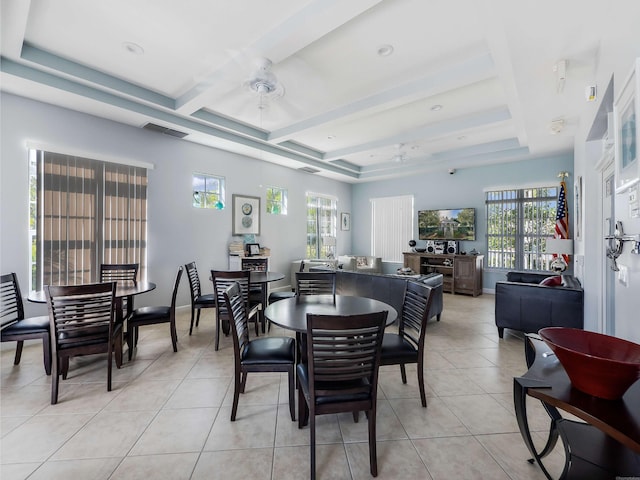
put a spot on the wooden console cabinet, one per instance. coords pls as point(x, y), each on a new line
point(461, 273)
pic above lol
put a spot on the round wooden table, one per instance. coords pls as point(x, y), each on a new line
point(291, 313)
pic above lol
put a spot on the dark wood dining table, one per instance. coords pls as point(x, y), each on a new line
point(122, 291)
point(291, 313)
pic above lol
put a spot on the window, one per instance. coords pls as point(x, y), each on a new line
point(391, 226)
point(518, 225)
point(83, 213)
point(322, 215)
point(276, 200)
point(208, 191)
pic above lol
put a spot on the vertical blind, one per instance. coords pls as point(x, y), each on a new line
point(391, 226)
point(88, 212)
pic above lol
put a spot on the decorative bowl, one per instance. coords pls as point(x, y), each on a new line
point(597, 364)
point(420, 249)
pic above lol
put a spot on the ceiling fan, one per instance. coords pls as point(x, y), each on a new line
point(263, 81)
point(400, 156)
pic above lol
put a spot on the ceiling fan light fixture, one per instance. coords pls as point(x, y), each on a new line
point(385, 50)
point(436, 108)
point(133, 48)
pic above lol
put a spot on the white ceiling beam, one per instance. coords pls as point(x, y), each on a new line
point(15, 14)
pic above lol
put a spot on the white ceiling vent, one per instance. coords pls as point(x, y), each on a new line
point(309, 170)
point(167, 131)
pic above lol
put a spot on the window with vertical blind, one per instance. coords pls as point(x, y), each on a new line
point(322, 219)
point(391, 226)
point(83, 213)
point(519, 221)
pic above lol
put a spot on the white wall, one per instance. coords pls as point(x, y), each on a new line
point(463, 189)
point(177, 232)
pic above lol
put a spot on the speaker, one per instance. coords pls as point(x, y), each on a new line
point(431, 246)
point(452, 247)
point(440, 246)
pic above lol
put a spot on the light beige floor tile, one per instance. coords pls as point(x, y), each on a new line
point(17, 471)
point(37, 439)
point(390, 382)
point(254, 464)
point(458, 457)
point(466, 358)
point(254, 427)
point(452, 382)
point(143, 395)
point(8, 424)
point(167, 368)
point(91, 469)
point(388, 426)
point(294, 463)
point(288, 433)
point(108, 434)
point(260, 389)
point(20, 375)
point(27, 400)
point(434, 421)
point(199, 392)
point(491, 379)
point(397, 460)
point(176, 431)
point(82, 398)
point(482, 414)
point(171, 466)
point(211, 366)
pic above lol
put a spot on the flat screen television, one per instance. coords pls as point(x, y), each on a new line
point(455, 224)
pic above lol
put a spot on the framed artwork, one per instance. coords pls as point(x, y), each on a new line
point(246, 215)
point(345, 221)
point(625, 114)
point(252, 249)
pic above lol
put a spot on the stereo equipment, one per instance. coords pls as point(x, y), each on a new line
point(431, 246)
point(452, 247)
point(440, 246)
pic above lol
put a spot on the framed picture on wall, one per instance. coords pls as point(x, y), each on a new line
point(246, 215)
point(625, 114)
point(345, 221)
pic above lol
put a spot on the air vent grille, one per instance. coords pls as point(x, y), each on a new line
point(167, 131)
point(309, 170)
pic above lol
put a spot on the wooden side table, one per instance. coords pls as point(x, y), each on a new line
point(606, 446)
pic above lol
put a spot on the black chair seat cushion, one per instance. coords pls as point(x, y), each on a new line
point(397, 349)
point(27, 326)
point(148, 314)
point(206, 300)
point(269, 350)
point(303, 377)
point(277, 296)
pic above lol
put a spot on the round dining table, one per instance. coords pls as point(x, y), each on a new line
point(291, 313)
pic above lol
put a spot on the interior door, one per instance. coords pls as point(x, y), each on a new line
point(608, 227)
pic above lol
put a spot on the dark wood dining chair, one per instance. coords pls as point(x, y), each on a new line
point(264, 354)
point(154, 315)
point(222, 279)
point(123, 274)
point(316, 283)
point(82, 321)
point(407, 346)
point(14, 327)
point(277, 296)
point(198, 300)
point(340, 373)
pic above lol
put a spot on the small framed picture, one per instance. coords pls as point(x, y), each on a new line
point(345, 221)
point(253, 249)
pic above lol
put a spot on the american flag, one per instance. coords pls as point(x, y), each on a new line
point(562, 217)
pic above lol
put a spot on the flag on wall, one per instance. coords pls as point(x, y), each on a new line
point(562, 217)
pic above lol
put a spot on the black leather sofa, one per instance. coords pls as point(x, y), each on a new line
point(524, 305)
point(388, 288)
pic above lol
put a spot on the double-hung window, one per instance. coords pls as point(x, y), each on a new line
point(519, 221)
point(83, 213)
point(322, 215)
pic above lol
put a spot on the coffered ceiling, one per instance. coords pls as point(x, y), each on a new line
point(362, 89)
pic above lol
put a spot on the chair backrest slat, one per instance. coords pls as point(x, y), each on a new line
point(415, 312)
point(344, 353)
point(194, 279)
point(11, 306)
point(123, 273)
point(223, 279)
point(315, 283)
point(237, 308)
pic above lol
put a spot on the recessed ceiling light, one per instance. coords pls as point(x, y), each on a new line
point(330, 137)
point(385, 50)
point(436, 108)
point(133, 48)
point(462, 137)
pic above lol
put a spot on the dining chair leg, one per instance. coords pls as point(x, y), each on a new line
point(198, 318)
point(192, 318)
point(64, 367)
point(130, 341)
point(19, 345)
point(403, 373)
point(55, 380)
point(292, 400)
point(423, 396)
point(243, 382)
point(312, 435)
point(109, 359)
point(46, 352)
point(174, 336)
point(218, 326)
point(236, 396)
point(373, 454)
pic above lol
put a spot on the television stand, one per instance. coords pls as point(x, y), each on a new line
point(461, 273)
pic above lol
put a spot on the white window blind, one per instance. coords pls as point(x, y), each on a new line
point(391, 226)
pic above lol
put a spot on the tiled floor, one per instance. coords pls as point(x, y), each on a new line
point(168, 414)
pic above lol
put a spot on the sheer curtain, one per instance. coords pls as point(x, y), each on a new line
point(391, 226)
